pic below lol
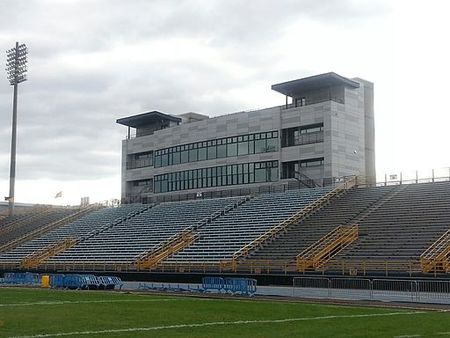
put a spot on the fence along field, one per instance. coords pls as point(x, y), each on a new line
point(52, 313)
point(403, 290)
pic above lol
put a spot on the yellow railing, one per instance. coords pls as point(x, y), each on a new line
point(436, 257)
point(36, 258)
point(39, 212)
point(367, 266)
point(295, 218)
point(38, 232)
point(174, 244)
point(316, 255)
point(336, 267)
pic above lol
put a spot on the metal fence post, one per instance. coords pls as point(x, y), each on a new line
point(329, 288)
point(371, 289)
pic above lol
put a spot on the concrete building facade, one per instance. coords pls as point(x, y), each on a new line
point(324, 130)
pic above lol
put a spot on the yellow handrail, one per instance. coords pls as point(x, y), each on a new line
point(435, 257)
point(176, 243)
point(343, 267)
point(295, 218)
point(36, 258)
point(320, 252)
point(29, 217)
point(66, 220)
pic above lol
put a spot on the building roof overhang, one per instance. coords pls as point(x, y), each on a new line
point(296, 87)
point(146, 119)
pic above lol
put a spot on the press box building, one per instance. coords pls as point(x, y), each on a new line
point(323, 130)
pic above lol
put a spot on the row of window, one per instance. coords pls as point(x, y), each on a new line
point(312, 133)
point(143, 183)
point(219, 176)
point(228, 147)
point(140, 160)
point(220, 148)
point(294, 168)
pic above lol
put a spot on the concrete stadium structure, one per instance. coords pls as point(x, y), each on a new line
point(324, 130)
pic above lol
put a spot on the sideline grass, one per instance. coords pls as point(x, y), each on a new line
point(28, 312)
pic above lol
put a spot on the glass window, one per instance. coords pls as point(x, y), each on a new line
point(260, 146)
point(240, 174)
point(272, 144)
point(221, 151)
point(202, 154)
point(176, 158)
point(157, 161)
point(235, 174)
point(165, 160)
point(231, 149)
point(272, 174)
point(314, 162)
point(251, 147)
point(211, 152)
point(219, 176)
point(185, 156)
point(193, 155)
point(243, 148)
point(260, 175)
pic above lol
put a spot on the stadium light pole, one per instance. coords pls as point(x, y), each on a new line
point(16, 68)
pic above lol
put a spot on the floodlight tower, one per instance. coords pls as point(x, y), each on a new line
point(16, 68)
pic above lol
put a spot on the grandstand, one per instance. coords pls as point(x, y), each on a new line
point(347, 228)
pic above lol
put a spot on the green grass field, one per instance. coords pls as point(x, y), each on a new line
point(49, 313)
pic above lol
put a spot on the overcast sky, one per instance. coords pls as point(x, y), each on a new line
point(91, 62)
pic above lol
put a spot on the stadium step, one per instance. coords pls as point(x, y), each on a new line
point(51, 226)
point(118, 221)
point(30, 217)
point(151, 258)
point(378, 204)
point(436, 258)
point(320, 252)
point(69, 242)
point(303, 213)
point(36, 258)
point(365, 213)
point(166, 249)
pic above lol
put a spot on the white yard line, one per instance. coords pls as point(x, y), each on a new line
point(239, 322)
point(419, 335)
point(64, 302)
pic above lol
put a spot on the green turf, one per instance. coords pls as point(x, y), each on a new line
point(31, 312)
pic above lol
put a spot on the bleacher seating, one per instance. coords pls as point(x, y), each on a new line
point(82, 227)
point(405, 226)
point(124, 242)
point(340, 211)
point(397, 222)
point(223, 237)
point(17, 226)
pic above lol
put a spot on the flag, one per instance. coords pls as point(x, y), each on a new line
point(58, 195)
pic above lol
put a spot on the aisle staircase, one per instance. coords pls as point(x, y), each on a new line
point(36, 258)
point(294, 219)
point(436, 259)
point(49, 227)
point(319, 253)
point(174, 244)
point(151, 258)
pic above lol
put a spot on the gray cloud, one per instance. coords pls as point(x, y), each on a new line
point(67, 113)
